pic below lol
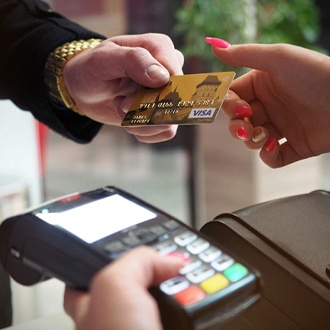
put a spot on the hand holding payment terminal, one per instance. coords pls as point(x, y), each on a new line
point(75, 236)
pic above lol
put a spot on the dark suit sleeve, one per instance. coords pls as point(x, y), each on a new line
point(29, 31)
point(6, 312)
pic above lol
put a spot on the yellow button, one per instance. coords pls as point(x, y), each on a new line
point(214, 283)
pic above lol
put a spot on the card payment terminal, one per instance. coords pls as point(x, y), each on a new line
point(73, 237)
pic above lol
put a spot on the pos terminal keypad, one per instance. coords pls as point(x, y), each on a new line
point(207, 270)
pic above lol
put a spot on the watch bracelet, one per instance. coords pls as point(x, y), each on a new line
point(54, 66)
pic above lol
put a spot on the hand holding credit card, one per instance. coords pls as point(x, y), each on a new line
point(186, 99)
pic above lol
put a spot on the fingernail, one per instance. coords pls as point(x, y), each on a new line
point(220, 43)
point(243, 111)
point(259, 134)
point(270, 145)
point(155, 72)
point(241, 133)
point(124, 108)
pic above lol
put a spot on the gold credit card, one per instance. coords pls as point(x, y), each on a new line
point(184, 100)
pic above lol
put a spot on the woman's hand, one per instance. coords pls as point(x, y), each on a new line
point(285, 96)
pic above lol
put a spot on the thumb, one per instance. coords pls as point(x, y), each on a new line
point(143, 68)
point(158, 65)
point(148, 265)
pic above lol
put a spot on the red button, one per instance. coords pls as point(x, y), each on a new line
point(184, 256)
point(190, 295)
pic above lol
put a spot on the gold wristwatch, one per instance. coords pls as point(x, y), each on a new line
point(54, 70)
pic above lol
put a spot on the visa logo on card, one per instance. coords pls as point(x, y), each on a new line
point(202, 113)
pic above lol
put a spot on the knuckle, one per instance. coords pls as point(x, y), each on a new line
point(135, 55)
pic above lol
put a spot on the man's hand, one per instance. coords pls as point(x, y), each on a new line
point(103, 81)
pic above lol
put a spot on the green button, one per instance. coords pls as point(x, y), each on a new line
point(236, 272)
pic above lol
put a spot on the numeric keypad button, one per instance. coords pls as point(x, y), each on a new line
point(185, 238)
point(200, 274)
point(222, 263)
point(198, 246)
point(174, 285)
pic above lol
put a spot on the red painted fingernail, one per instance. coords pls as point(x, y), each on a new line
point(243, 111)
point(220, 43)
point(242, 133)
point(270, 145)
